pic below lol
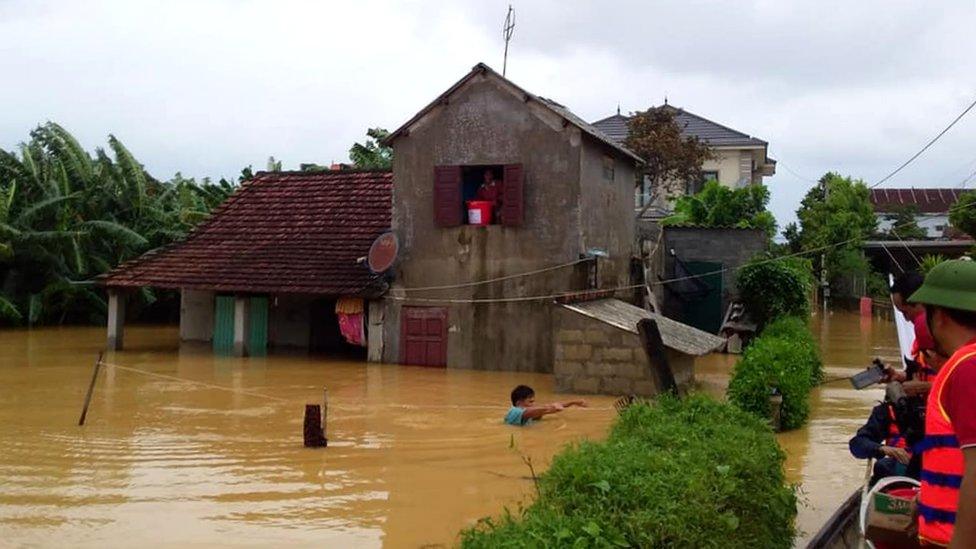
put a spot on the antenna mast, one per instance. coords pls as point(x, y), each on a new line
point(507, 30)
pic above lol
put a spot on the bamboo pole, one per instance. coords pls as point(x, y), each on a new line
point(91, 389)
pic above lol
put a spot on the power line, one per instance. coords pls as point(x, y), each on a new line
point(927, 145)
point(564, 294)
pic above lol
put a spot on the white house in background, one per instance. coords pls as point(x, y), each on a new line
point(931, 207)
point(740, 159)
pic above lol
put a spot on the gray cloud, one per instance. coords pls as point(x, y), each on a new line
point(208, 87)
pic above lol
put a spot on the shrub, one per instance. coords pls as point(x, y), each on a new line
point(784, 359)
point(683, 473)
point(774, 288)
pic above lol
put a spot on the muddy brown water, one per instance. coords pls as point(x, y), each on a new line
point(414, 454)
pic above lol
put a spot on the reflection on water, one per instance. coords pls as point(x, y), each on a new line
point(414, 454)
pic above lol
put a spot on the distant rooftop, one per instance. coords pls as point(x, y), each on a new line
point(692, 125)
point(930, 201)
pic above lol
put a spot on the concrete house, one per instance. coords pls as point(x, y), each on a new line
point(565, 218)
point(931, 207)
point(277, 265)
point(740, 159)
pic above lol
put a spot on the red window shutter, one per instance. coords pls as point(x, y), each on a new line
point(447, 196)
point(513, 202)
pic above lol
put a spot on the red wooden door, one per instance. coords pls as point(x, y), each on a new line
point(423, 336)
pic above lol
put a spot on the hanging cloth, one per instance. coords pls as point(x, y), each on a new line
point(350, 311)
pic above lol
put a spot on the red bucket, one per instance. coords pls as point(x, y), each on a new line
point(479, 212)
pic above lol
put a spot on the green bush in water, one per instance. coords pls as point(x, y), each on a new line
point(783, 359)
point(690, 473)
point(774, 288)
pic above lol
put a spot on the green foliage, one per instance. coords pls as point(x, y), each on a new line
point(835, 218)
point(67, 216)
point(771, 288)
point(929, 261)
point(963, 214)
point(903, 225)
point(372, 154)
point(670, 158)
point(678, 473)
point(783, 360)
point(720, 206)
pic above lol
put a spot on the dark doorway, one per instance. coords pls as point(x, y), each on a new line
point(324, 335)
point(423, 333)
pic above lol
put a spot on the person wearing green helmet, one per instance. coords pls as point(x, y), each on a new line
point(947, 500)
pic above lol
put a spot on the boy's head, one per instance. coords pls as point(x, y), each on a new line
point(523, 396)
point(903, 288)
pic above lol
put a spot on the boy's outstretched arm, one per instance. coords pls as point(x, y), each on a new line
point(536, 412)
point(580, 403)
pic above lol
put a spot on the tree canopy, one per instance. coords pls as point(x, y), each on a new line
point(67, 216)
point(720, 206)
point(835, 218)
point(963, 214)
point(372, 154)
point(670, 159)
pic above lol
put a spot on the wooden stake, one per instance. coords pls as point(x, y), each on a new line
point(314, 435)
point(657, 357)
point(91, 389)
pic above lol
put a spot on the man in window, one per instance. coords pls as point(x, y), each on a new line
point(490, 191)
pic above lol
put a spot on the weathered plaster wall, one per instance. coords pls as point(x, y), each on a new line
point(485, 123)
point(606, 221)
point(196, 315)
point(732, 248)
point(594, 357)
point(288, 321)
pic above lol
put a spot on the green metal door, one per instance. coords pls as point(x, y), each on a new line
point(223, 334)
point(257, 339)
point(704, 310)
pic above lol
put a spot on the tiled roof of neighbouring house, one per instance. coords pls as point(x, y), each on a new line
point(924, 200)
point(692, 125)
point(281, 232)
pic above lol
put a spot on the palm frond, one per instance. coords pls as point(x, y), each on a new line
point(118, 231)
point(133, 172)
point(24, 216)
point(9, 311)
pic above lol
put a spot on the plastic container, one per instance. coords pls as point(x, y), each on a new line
point(479, 212)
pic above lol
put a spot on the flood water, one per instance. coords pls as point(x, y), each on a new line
point(414, 454)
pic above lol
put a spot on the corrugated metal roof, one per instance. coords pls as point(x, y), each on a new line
point(692, 125)
point(924, 200)
point(678, 336)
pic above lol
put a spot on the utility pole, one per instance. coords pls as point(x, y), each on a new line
point(507, 30)
point(824, 286)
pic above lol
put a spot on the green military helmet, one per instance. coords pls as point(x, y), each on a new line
point(950, 284)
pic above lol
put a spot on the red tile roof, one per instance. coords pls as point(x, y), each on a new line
point(282, 232)
point(924, 200)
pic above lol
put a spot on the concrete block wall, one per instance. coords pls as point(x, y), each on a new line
point(592, 357)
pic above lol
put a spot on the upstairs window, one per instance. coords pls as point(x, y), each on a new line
point(695, 187)
point(478, 195)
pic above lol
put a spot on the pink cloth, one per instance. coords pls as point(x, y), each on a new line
point(351, 328)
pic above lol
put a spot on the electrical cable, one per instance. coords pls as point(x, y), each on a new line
point(926, 147)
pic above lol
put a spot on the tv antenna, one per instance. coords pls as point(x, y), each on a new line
point(507, 30)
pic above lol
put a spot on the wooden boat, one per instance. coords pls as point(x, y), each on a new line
point(841, 531)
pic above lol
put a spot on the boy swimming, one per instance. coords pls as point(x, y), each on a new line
point(524, 410)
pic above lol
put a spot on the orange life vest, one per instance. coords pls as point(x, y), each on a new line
point(942, 460)
point(894, 440)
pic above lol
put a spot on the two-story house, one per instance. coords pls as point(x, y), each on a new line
point(480, 295)
point(738, 158)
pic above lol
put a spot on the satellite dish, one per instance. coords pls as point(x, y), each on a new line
point(383, 252)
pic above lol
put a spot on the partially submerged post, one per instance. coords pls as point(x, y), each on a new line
point(91, 389)
point(657, 357)
point(116, 319)
point(314, 427)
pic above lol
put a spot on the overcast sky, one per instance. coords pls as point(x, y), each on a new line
point(207, 87)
